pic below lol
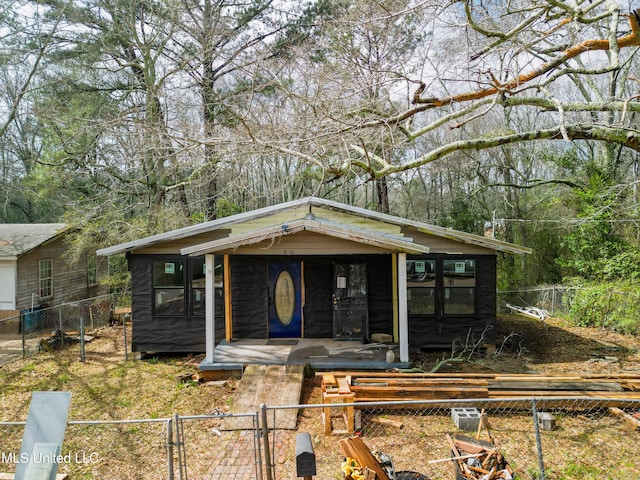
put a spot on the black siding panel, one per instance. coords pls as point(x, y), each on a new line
point(432, 331)
point(380, 294)
point(318, 308)
point(141, 296)
point(160, 334)
point(249, 297)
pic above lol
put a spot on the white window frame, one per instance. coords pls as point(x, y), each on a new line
point(45, 290)
point(92, 270)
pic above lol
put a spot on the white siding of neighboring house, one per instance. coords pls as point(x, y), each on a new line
point(7, 284)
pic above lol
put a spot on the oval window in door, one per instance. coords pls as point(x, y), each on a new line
point(285, 298)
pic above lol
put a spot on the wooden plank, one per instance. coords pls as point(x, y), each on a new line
point(468, 447)
point(343, 386)
point(257, 386)
point(329, 379)
point(624, 415)
point(355, 448)
point(418, 382)
point(564, 393)
point(516, 376)
point(556, 385)
point(419, 393)
point(387, 421)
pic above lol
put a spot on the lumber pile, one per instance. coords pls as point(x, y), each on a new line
point(386, 387)
point(342, 391)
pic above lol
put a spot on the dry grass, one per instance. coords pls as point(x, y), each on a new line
point(588, 445)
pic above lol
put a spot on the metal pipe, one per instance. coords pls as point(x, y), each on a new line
point(124, 330)
point(256, 441)
point(24, 340)
point(178, 443)
point(169, 449)
point(536, 428)
point(82, 353)
point(265, 439)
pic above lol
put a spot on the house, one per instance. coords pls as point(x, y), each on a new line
point(311, 269)
point(34, 273)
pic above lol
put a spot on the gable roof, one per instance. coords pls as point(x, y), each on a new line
point(16, 239)
point(309, 225)
point(299, 214)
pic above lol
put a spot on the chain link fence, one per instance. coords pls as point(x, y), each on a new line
point(576, 438)
point(550, 438)
point(38, 329)
point(556, 300)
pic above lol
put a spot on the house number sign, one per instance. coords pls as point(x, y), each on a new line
point(284, 297)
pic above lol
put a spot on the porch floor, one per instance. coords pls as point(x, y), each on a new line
point(319, 354)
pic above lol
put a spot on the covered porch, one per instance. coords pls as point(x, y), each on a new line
point(318, 354)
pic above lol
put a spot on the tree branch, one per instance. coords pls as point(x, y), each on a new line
point(632, 39)
point(619, 135)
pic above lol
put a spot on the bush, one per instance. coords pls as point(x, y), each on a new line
point(614, 306)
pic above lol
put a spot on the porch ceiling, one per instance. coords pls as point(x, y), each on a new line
point(331, 229)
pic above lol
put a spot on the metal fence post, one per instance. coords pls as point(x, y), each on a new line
point(536, 427)
point(258, 453)
point(182, 457)
point(170, 448)
point(124, 331)
point(24, 340)
point(82, 345)
point(265, 439)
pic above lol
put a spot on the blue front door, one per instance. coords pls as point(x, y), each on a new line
point(285, 300)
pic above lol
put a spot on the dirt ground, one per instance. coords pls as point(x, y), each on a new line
point(555, 347)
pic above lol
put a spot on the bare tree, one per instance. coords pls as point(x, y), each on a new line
point(569, 62)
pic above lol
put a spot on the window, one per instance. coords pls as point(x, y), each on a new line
point(459, 286)
point(168, 288)
point(441, 286)
point(45, 276)
point(421, 283)
point(92, 270)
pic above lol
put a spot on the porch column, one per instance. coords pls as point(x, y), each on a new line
point(210, 307)
point(403, 318)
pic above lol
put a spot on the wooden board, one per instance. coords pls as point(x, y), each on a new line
point(388, 386)
point(355, 448)
point(273, 385)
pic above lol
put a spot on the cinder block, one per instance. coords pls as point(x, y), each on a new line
point(546, 421)
point(466, 418)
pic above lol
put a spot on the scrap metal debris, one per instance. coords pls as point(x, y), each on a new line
point(533, 312)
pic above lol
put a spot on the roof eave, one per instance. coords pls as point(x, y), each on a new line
point(199, 228)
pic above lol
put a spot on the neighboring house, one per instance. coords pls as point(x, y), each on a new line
point(34, 272)
point(311, 268)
